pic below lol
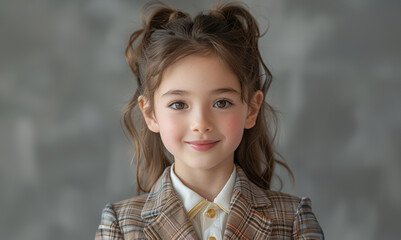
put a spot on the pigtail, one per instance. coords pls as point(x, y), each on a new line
point(149, 152)
point(256, 154)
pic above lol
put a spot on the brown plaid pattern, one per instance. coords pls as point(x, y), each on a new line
point(255, 214)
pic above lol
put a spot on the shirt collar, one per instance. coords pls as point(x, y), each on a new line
point(190, 198)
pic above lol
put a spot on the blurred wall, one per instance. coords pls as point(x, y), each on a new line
point(64, 80)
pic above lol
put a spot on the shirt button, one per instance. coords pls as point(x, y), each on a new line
point(211, 213)
point(211, 238)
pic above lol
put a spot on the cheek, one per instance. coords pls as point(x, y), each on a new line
point(234, 130)
point(171, 130)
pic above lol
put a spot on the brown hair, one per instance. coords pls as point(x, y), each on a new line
point(228, 31)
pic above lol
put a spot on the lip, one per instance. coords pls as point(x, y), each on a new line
point(202, 145)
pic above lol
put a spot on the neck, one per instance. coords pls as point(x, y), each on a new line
point(208, 183)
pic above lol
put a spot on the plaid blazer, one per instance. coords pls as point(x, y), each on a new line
point(255, 214)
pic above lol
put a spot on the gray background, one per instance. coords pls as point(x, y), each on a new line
point(64, 80)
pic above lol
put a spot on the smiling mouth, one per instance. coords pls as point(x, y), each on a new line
point(202, 145)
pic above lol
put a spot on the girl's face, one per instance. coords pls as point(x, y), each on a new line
point(199, 113)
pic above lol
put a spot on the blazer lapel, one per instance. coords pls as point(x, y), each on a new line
point(165, 213)
point(248, 218)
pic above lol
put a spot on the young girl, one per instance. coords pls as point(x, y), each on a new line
point(201, 88)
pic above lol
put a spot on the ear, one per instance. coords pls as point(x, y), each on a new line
point(253, 110)
point(148, 114)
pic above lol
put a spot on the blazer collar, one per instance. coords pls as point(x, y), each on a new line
point(248, 218)
point(168, 219)
point(165, 212)
point(161, 192)
point(253, 194)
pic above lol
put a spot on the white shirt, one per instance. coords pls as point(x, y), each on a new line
point(208, 218)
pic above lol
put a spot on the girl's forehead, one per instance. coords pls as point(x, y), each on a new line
point(199, 73)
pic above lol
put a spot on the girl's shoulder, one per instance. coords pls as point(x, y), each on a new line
point(281, 198)
point(123, 219)
point(281, 195)
point(288, 211)
point(280, 201)
point(285, 202)
point(128, 207)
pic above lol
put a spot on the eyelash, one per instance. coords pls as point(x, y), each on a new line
point(174, 104)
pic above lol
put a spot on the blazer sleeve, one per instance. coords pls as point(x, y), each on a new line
point(109, 228)
point(305, 223)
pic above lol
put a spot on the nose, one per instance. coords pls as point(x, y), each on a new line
point(201, 122)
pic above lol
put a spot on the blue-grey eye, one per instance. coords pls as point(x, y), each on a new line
point(222, 104)
point(178, 105)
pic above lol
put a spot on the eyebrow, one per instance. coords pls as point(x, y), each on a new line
point(177, 92)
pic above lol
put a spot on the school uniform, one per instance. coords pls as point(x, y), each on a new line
point(254, 213)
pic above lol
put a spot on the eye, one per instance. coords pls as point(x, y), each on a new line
point(178, 105)
point(222, 104)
